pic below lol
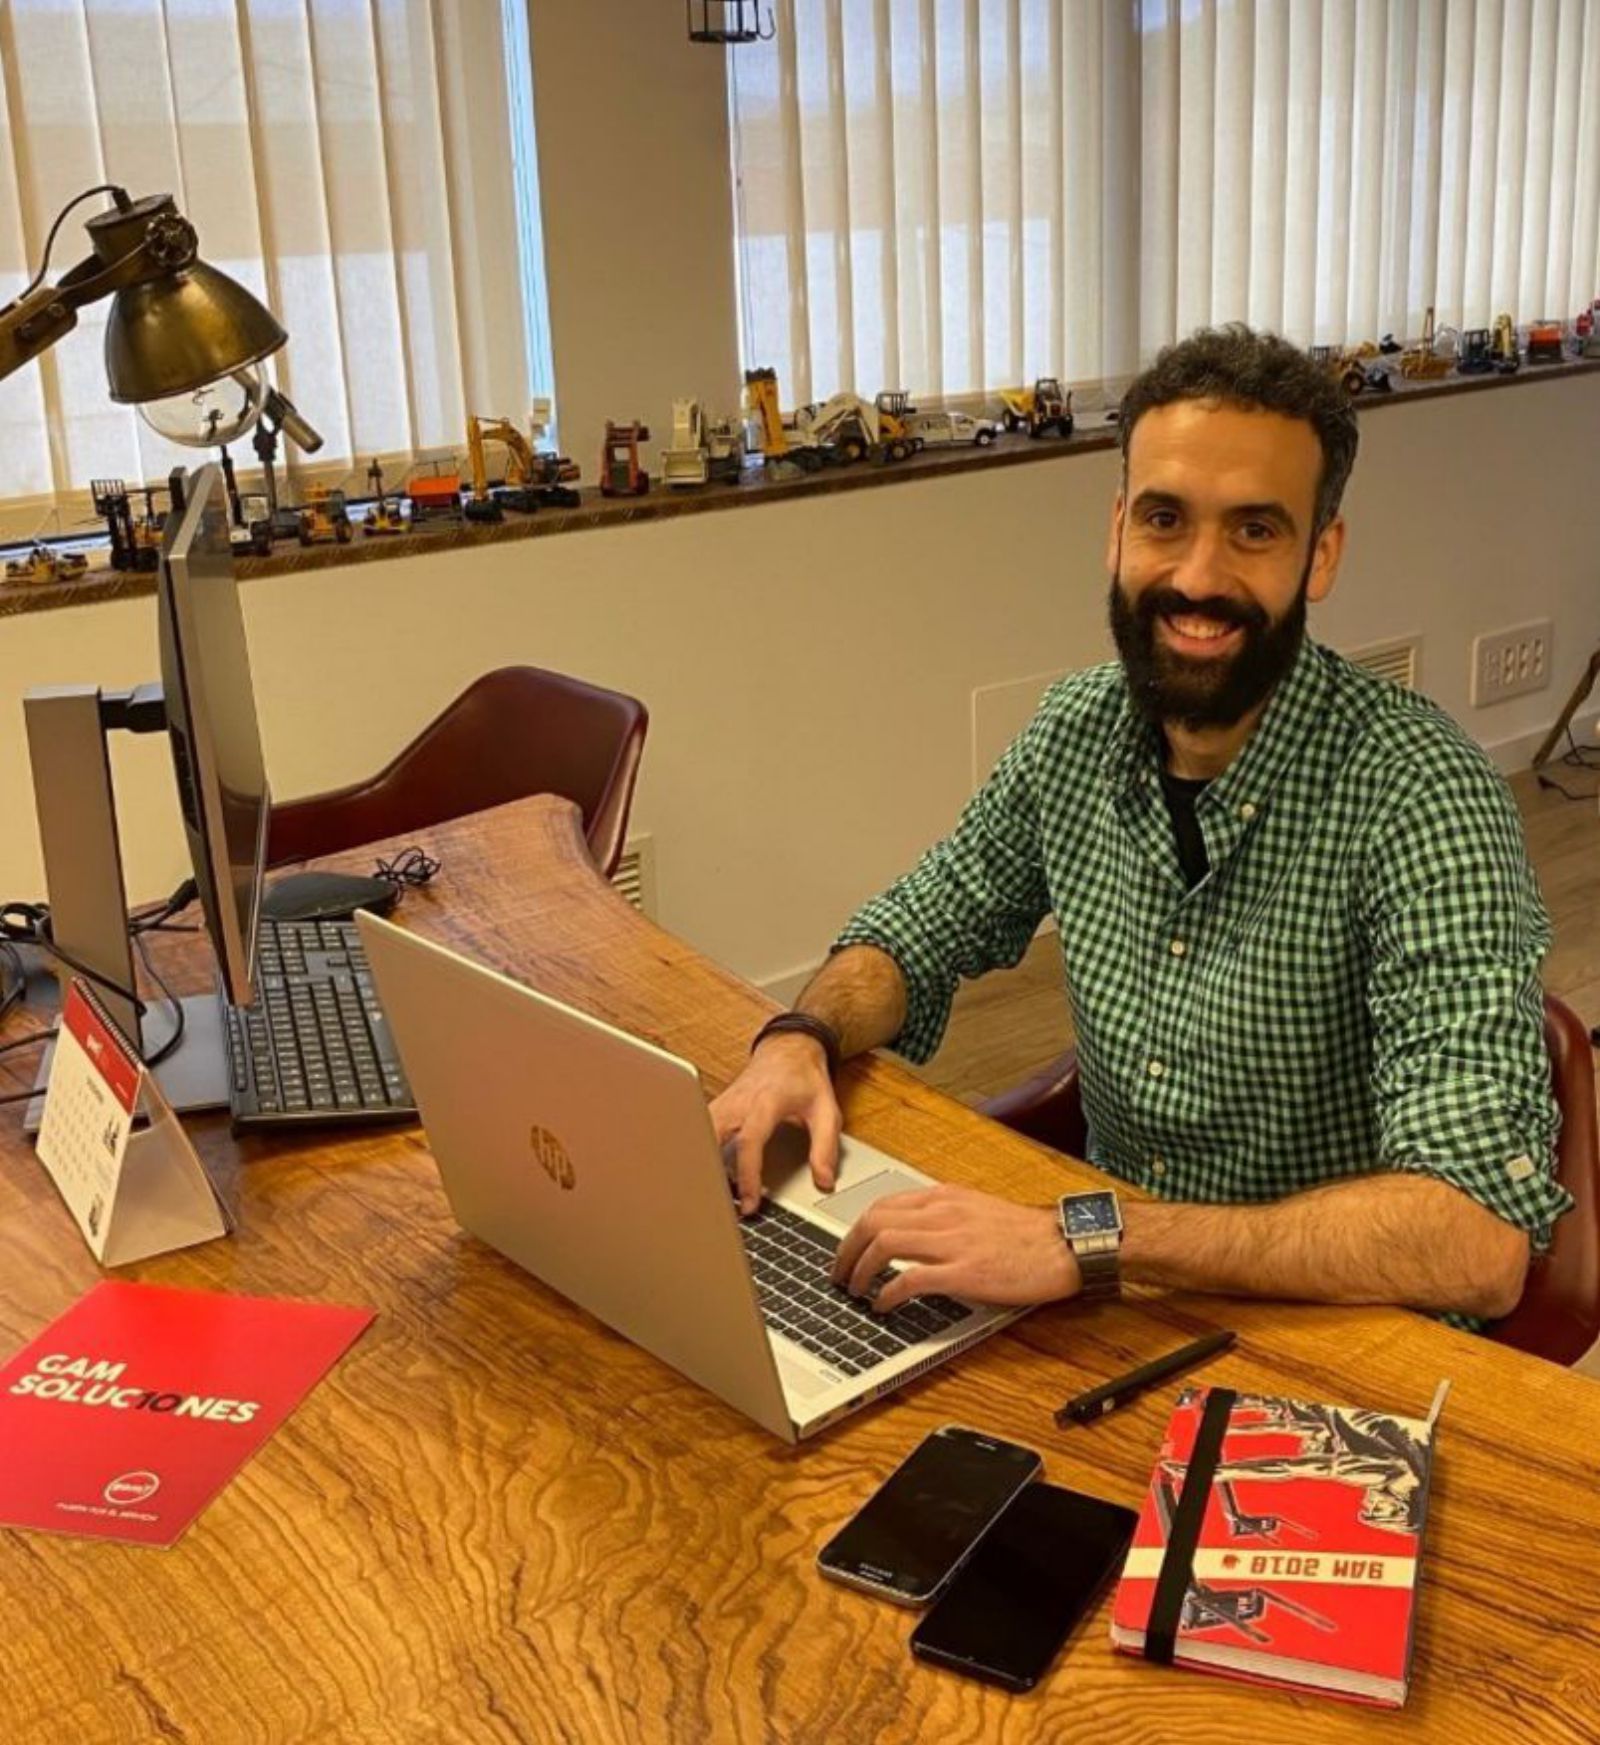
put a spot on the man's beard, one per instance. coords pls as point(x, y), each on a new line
point(1196, 693)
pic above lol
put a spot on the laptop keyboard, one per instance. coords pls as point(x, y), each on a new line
point(792, 1259)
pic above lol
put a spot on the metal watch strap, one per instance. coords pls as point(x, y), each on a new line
point(1100, 1271)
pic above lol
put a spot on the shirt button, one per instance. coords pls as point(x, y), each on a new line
point(1158, 1166)
point(1519, 1168)
point(1155, 1068)
point(1247, 811)
point(1178, 947)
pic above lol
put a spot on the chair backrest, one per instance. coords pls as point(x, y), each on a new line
point(514, 732)
point(1559, 1315)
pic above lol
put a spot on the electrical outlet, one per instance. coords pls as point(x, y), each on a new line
point(1507, 663)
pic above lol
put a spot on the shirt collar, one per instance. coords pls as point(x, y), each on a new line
point(1134, 751)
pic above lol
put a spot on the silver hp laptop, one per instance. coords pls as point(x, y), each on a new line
point(588, 1158)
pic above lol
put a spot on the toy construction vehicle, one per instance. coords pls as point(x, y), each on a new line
point(848, 429)
point(324, 518)
point(45, 564)
point(841, 432)
point(1544, 342)
point(1477, 352)
point(1354, 369)
point(435, 497)
point(384, 517)
point(1039, 409)
point(704, 450)
point(531, 480)
point(621, 472)
point(1586, 331)
point(135, 540)
point(1422, 362)
point(1507, 358)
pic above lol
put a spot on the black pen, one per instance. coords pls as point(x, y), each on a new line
point(1109, 1395)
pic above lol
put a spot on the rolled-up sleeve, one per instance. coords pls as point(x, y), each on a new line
point(1459, 932)
point(971, 904)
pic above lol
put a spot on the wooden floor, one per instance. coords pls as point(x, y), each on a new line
point(1014, 1021)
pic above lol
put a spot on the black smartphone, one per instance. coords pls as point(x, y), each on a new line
point(1034, 1574)
point(912, 1533)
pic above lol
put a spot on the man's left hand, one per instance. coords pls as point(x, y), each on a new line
point(959, 1242)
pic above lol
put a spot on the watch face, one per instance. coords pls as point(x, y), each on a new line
point(1092, 1215)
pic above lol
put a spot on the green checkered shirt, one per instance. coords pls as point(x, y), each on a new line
point(1353, 986)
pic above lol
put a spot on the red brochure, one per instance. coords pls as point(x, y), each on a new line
point(128, 1414)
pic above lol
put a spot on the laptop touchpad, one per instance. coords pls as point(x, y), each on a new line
point(850, 1203)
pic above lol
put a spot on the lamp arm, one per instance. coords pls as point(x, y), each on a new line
point(33, 324)
point(47, 313)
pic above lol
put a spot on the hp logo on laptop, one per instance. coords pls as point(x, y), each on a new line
point(552, 1156)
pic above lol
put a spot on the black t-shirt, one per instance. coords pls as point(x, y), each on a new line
point(1181, 793)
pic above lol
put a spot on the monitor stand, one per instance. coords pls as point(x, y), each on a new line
point(68, 728)
point(193, 1077)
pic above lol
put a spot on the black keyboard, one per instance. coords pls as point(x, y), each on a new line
point(315, 1048)
point(792, 1260)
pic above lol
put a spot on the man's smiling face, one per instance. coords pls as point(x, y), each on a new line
point(1213, 560)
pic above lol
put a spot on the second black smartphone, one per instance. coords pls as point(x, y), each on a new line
point(912, 1533)
point(1035, 1573)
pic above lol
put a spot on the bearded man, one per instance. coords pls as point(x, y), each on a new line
point(1300, 934)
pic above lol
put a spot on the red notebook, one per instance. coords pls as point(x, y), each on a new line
point(1280, 1541)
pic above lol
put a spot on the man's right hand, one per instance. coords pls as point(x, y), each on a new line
point(786, 1082)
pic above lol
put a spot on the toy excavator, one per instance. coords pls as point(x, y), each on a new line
point(531, 480)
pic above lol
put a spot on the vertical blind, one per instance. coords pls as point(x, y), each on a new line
point(954, 195)
point(351, 161)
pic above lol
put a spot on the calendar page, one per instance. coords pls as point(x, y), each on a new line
point(95, 1082)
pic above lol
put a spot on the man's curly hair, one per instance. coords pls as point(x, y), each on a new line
point(1236, 366)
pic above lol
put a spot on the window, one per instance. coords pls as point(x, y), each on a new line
point(361, 165)
point(955, 195)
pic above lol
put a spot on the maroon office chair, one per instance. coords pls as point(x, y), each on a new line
point(514, 732)
point(1559, 1315)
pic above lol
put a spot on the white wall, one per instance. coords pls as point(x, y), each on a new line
point(809, 666)
point(637, 209)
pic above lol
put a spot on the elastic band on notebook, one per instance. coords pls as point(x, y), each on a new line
point(1177, 1567)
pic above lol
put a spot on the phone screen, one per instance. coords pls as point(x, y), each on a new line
point(1038, 1570)
point(914, 1530)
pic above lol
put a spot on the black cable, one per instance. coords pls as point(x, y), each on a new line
point(12, 996)
point(23, 1041)
point(146, 920)
point(171, 1044)
point(33, 928)
point(1579, 757)
point(411, 866)
point(61, 216)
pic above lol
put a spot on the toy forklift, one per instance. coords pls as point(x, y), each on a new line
point(621, 473)
point(135, 543)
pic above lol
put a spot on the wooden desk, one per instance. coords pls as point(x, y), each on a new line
point(495, 1520)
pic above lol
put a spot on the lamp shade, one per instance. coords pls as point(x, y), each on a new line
point(174, 333)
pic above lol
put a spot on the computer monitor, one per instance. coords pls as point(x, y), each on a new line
point(212, 725)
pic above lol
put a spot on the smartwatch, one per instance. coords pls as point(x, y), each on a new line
point(1091, 1226)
